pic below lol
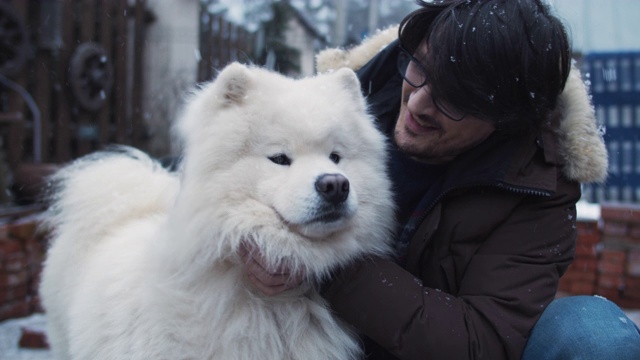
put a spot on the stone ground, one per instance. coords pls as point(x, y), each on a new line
point(10, 331)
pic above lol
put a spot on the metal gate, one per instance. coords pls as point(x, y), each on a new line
point(71, 77)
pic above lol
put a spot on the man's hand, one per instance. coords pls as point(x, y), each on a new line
point(268, 281)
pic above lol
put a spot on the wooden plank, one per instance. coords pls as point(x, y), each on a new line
point(42, 83)
point(247, 44)
point(242, 45)
point(42, 96)
point(63, 113)
point(233, 42)
point(107, 17)
point(137, 119)
point(218, 61)
point(226, 49)
point(212, 46)
point(15, 137)
point(87, 21)
point(205, 63)
point(120, 71)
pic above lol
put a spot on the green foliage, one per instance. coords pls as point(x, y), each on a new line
point(287, 59)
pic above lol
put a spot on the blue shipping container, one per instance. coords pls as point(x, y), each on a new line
point(614, 82)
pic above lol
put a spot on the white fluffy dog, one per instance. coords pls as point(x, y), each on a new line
point(144, 263)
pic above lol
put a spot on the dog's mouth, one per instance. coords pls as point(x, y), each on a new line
point(329, 217)
point(322, 224)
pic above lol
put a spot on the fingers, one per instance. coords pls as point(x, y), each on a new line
point(266, 289)
point(269, 281)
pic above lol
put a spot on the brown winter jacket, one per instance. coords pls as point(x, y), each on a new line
point(486, 259)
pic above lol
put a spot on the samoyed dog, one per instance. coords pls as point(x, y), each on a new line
point(144, 262)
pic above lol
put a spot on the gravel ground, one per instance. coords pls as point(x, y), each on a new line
point(10, 331)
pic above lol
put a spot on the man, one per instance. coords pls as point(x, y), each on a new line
point(487, 163)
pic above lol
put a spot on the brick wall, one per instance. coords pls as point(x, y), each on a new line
point(581, 277)
point(22, 248)
point(607, 256)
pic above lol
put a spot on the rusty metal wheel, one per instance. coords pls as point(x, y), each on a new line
point(90, 76)
point(14, 41)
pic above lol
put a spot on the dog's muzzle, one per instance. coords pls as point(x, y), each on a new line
point(333, 188)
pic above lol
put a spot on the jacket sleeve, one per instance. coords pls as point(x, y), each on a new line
point(507, 283)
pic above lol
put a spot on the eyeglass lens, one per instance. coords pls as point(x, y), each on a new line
point(415, 74)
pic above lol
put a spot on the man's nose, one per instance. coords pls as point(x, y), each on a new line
point(421, 99)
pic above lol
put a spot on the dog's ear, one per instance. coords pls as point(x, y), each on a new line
point(351, 85)
point(235, 82)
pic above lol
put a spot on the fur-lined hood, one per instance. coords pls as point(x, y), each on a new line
point(581, 144)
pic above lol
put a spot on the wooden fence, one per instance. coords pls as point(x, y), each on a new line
point(221, 42)
point(82, 66)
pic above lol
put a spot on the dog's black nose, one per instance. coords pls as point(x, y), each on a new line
point(333, 187)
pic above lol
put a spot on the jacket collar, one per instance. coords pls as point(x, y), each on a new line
point(515, 164)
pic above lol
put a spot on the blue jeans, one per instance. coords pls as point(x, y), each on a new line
point(583, 327)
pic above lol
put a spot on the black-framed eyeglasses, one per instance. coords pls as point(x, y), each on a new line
point(415, 74)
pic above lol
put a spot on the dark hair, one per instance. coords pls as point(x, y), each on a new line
point(505, 61)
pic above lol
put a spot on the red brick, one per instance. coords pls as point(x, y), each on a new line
point(9, 280)
point(33, 339)
point(632, 282)
point(586, 250)
point(628, 303)
point(633, 263)
point(13, 262)
point(582, 288)
point(631, 292)
point(15, 293)
point(35, 281)
point(564, 284)
point(585, 264)
point(35, 304)
point(23, 229)
point(613, 256)
point(609, 293)
point(588, 238)
point(634, 231)
point(631, 286)
point(577, 275)
point(14, 309)
point(618, 243)
point(610, 281)
point(615, 228)
point(4, 229)
point(605, 267)
point(10, 247)
point(33, 246)
point(588, 228)
point(620, 212)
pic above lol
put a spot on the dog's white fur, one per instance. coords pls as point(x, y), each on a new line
point(144, 263)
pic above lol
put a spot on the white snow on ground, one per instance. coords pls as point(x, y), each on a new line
point(587, 211)
point(10, 331)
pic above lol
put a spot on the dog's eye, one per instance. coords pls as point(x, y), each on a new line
point(280, 159)
point(335, 157)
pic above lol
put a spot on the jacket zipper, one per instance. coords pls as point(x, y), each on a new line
point(498, 184)
point(521, 190)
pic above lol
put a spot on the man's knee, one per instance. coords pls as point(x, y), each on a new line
point(583, 327)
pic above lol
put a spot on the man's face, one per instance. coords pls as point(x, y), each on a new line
point(426, 134)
